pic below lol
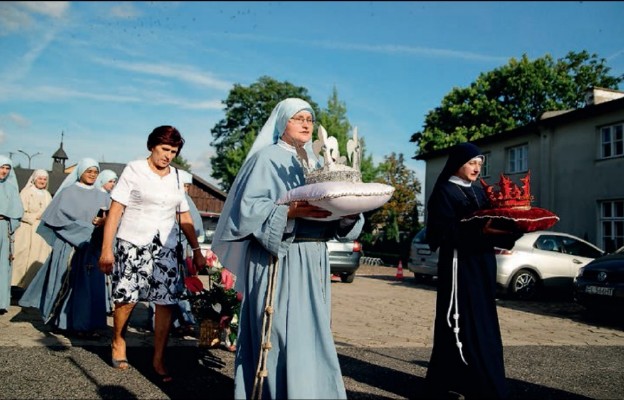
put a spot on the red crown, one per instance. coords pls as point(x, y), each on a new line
point(510, 195)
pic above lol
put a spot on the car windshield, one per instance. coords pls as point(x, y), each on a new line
point(421, 236)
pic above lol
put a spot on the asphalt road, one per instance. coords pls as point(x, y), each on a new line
point(382, 328)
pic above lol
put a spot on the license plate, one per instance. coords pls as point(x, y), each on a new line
point(599, 290)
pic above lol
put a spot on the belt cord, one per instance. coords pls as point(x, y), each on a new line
point(454, 303)
point(267, 322)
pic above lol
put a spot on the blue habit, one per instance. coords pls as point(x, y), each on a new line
point(253, 233)
point(69, 289)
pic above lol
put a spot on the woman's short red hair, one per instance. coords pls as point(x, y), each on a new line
point(165, 134)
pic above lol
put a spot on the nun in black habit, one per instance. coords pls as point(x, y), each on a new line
point(467, 354)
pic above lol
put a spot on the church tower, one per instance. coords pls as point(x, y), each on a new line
point(59, 157)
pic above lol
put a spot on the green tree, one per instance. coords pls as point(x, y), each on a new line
point(400, 214)
point(511, 96)
point(182, 163)
point(334, 120)
point(246, 110)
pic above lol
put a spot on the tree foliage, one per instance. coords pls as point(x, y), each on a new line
point(400, 214)
point(182, 163)
point(511, 96)
point(246, 110)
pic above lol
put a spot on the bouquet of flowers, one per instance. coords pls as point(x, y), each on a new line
point(217, 306)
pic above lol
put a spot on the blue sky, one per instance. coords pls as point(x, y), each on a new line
point(107, 73)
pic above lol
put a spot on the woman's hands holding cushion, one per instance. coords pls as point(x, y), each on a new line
point(303, 209)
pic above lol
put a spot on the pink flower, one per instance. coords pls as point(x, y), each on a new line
point(239, 296)
point(211, 259)
point(227, 279)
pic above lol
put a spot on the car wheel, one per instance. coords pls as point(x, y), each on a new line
point(347, 277)
point(524, 285)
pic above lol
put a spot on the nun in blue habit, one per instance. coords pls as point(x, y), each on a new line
point(11, 212)
point(68, 290)
point(262, 242)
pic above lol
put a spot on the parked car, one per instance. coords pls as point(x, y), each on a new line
point(344, 258)
point(422, 261)
point(541, 260)
point(601, 282)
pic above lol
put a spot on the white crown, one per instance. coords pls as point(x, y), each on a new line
point(334, 168)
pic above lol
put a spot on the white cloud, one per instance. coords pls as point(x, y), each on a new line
point(19, 120)
point(202, 167)
point(2, 136)
point(381, 48)
point(54, 93)
point(125, 10)
point(19, 15)
point(23, 65)
point(13, 18)
point(54, 9)
point(180, 72)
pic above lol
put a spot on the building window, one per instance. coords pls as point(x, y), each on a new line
point(485, 168)
point(612, 224)
point(518, 159)
point(612, 141)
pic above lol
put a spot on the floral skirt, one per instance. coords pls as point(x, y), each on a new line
point(145, 273)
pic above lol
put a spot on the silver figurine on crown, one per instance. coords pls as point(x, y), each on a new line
point(334, 168)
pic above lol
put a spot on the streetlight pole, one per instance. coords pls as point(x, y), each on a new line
point(29, 156)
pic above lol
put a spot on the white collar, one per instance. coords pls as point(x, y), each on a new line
point(459, 181)
point(286, 146)
point(82, 185)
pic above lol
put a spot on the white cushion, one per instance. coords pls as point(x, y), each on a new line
point(341, 198)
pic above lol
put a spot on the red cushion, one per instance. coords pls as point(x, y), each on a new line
point(520, 220)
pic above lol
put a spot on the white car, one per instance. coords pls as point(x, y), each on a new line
point(541, 260)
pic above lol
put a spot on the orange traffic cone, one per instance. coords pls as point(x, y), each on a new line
point(399, 273)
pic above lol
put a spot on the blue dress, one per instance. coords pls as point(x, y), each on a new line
point(11, 212)
point(253, 233)
point(68, 290)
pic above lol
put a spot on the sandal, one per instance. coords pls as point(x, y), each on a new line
point(163, 378)
point(120, 364)
point(88, 335)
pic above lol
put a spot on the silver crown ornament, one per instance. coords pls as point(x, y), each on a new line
point(334, 167)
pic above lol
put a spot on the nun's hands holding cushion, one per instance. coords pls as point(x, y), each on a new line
point(303, 209)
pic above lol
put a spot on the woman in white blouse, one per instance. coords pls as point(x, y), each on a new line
point(143, 215)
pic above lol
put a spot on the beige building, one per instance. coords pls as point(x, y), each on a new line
point(576, 161)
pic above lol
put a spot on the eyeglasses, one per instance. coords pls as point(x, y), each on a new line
point(301, 120)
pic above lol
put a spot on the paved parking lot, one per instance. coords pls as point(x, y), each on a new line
point(401, 313)
point(382, 327)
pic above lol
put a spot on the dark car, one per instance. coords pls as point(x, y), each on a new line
point(601, 282)
point(344, 258)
